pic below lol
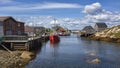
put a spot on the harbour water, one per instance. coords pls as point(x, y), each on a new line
point(76, 52)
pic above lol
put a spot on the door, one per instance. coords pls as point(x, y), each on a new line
point(1, 29)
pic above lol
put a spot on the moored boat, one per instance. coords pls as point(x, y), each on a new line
point(54, 38)
point(64, 34)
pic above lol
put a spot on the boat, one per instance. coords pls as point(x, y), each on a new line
point(64, 34)
point(54, 38)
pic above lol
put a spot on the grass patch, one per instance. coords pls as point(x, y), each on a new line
point(117, 34)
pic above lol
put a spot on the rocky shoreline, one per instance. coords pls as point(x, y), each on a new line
point(16, 59)
point(107, 39)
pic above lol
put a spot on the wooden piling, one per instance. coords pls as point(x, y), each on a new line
point(11, 46)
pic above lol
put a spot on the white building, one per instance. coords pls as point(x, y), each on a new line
point(100, 26)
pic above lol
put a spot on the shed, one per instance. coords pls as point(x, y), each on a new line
point(88, 30)
point(100, 26)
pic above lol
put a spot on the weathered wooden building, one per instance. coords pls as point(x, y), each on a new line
point(39, 31)
point(20, 28)
point(9, 26)
point(29, 30)
point(100, 26)
point(88, 30)
point(59, 29)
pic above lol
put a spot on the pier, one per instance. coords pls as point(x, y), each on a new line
point(23, 42)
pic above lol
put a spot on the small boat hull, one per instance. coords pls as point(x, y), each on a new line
point(64, 34)
point(54, 38)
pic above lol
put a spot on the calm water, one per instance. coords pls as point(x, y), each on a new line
point(73, 52)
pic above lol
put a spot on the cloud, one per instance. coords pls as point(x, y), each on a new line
point(92, 9)
point(40, 6)
point(48, 21)
point(95, 13)
point(56, 6)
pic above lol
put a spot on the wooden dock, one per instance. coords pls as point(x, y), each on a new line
point(23, 42)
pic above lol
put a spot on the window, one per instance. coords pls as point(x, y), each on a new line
point(19, 32)
point(10, 24)
point(8, 32)
point(18, 24)
point(1, 24)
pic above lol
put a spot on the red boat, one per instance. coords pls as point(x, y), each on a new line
point(54, 38)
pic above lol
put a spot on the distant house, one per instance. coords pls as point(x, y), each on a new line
point(9, 26)
point(88, 30)
point(100, 26)
point(55, 28)
point(39, 31)
point(59, 29)
point(29, 30)
point(34, 31)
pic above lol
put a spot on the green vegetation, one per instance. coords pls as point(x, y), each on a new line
point(117, 34)
point(47, 29)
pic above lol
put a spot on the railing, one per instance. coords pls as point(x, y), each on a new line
point(15, 38)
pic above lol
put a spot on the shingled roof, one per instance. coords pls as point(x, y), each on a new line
point(29, 29)
point(3, 18)
point(20, 22)
point(88, 28)
point(101, 25)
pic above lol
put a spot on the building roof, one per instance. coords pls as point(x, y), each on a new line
point(20, 22)
point(3, 18)
point(87, 28)
point(59, 28)
point(101, 25)
point(29, 29)
point(39, 27)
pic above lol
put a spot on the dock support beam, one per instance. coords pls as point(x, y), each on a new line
point(27, 46)
point(11, 46)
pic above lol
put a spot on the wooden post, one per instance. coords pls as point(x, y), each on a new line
point(11, 45)
point(27, 46)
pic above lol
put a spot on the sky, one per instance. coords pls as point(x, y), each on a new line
point(72, 14)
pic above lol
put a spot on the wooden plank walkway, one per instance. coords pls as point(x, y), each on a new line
point(21, 42)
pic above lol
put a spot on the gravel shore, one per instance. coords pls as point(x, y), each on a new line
point(12, 60)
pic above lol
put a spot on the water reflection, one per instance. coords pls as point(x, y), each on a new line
point(54, 44)
point(73, 52)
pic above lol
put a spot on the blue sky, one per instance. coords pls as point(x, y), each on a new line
point(66, 8)
point(69, 13)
